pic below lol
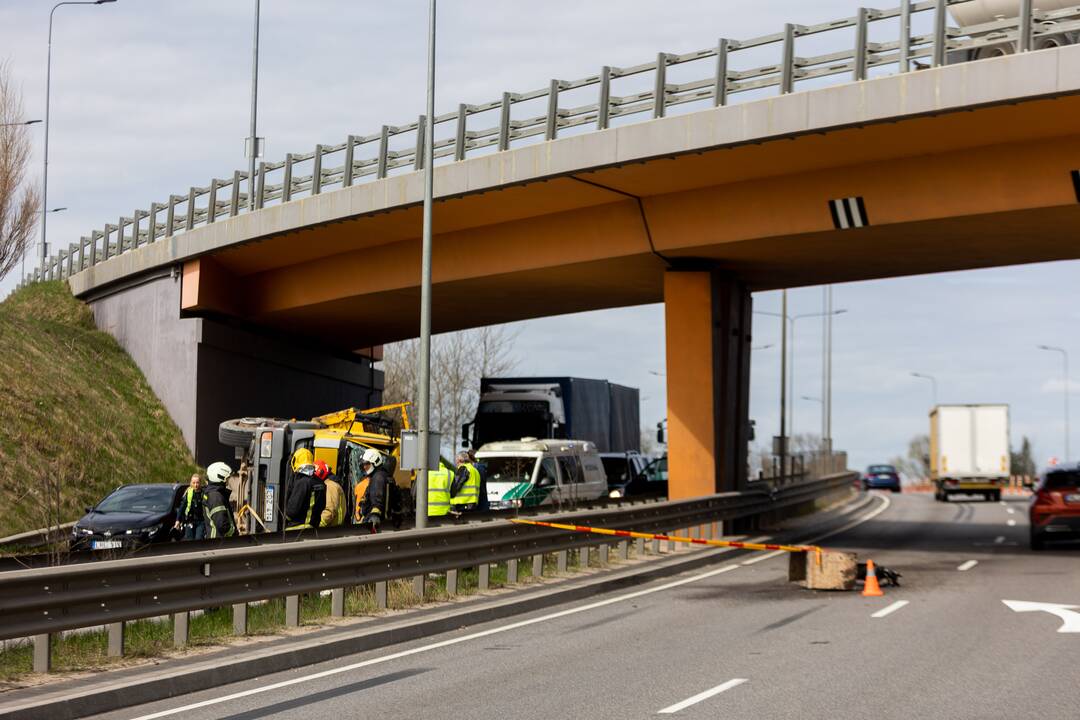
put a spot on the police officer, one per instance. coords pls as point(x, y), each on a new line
point(465, 490)
point(438, 491)
point(306, 498)
point(219, 517)
point(189, 518)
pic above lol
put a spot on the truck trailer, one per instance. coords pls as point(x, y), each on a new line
point(969, 450)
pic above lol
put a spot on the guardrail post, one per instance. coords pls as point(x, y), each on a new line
point(106, 245)
point(234, 195)
point(603, 107)
point(461, 132)
point(562, 561)
point(43, 653)
point(603, 549)
point(82, 253)
point(347, 171)
point(240, 618)
point(211, 207)
point(941, 32)
point(381, 600)
point(483, 577)
point(1027, 12)
point(551, 130)
point(418, 583)
point(72, 249)
point(720, 83)
point(286, 184)
point(316, 171)
point(337, 602)
point(504, 122)
point(170, 216)
point(151, 225)
point(624, 550)
point(260, 190)
point(511, 571)
point(583, 556)
point(905, 36)
point(116, 639)
point(181, 629)
point(639, 547)
point(292, 611)
point(538, 565)
point(190, 224)
point(384, 151)
point(451, 582)
point(418, 157)
point(121, 224)
point(861, 22)
point(787, 68)
point(660, 86)
point(671, 545)
point(93, 246)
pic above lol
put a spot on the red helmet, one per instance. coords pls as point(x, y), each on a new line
point(321, 470)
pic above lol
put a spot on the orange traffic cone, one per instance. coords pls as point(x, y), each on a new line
point(871, 588)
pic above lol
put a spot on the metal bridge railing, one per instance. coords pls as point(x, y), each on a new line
point(399, 148)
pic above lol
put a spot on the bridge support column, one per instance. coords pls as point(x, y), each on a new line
point(708, 317)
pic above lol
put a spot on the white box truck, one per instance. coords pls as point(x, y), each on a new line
point(969, 450)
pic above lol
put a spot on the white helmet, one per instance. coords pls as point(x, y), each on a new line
point(372, 456)
point(218, 472)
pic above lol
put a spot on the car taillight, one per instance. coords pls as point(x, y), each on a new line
point(266, 444)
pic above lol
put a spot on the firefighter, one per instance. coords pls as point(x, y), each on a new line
point(438, 491)
point(334, 512)
point(190, 520)
point(306, 498)
point(465, 490)
point(375, 507)
point(219, 517)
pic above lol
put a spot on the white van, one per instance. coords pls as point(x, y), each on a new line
point(531, 472)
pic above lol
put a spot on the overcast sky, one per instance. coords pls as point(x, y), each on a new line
point(152, 96)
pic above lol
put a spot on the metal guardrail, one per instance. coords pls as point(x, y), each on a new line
point(649, 93)
point(50, 600)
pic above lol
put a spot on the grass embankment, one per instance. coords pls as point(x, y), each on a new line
point(146, 638)
point(77, 417)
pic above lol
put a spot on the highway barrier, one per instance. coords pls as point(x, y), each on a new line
point(38, 603)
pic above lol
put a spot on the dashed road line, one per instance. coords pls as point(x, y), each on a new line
point(1011, 523)
point(999, 539)
point(968, 565)
point(1011, 511)
point(672, 709)
point(890, 609)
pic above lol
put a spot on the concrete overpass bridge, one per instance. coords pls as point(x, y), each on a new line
point(753, 178)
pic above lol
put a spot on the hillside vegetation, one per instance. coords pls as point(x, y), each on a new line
point(77, 417)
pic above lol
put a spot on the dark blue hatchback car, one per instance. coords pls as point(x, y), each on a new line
point(881, 477)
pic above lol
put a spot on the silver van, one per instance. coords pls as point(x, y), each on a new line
point(531, 472)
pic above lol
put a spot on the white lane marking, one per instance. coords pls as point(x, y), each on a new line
point(671, 709)
point(481, 634)
point(890, 609)
point(1011, 511)
point(1065, 612)
point(1011, 523)
point(968, 565)
point(766, 556)
point(999, 539)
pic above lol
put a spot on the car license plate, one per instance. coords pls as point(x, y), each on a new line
point(104, 544)
point(1074, 498)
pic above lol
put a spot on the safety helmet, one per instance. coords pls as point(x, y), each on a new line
point(372, 456)
point(321, 470)
point(218, 472)
point(307, 469)
point(302, 456)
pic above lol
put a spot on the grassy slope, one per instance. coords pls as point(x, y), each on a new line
point(76, 408)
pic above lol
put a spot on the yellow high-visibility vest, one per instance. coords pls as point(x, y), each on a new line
point(469, 494)
point(438, 491)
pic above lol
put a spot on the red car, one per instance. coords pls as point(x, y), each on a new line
point(1055, 507)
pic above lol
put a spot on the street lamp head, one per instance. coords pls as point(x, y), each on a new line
point(102, 2)
point(32, 122)
point(59, 209)
point(840, 312)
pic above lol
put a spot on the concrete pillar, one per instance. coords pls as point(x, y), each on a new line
point(116, 639)
point(381, 600)
point(181, 629)
point(708, 320)
point(292, 611)
point(239, 618)
point(337, 602)
point(42, 653)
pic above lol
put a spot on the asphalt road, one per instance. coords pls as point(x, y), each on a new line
point(735, 640)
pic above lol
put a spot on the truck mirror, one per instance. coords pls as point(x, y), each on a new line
point(660, 433)
point(465, 434)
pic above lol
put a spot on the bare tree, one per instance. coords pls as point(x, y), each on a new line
point(458, 361)
point(18, 210)
point(917, 463)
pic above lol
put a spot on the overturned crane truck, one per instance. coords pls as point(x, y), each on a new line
point(264, 447)
point(988, 23)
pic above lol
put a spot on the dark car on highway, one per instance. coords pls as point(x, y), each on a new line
point(129, 516)
point(1054, 513)
point(881, 477)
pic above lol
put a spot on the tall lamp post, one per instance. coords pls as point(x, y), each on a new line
point(48, 82)
point(425, 280)
point(253, 137)
point(1065, 359)
point(22, 267)
point(933, 383)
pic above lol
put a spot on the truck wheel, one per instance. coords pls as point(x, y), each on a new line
point(240, 432)
point(1037, 542)
point(997, 496)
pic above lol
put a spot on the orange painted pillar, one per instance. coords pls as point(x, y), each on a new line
point(707, 315)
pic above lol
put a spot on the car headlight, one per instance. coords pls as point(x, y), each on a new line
point(76, 530)
point(146, 530)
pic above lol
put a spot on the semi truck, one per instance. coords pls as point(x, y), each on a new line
point(979, 17)
point(556, 408)
point(969, 450)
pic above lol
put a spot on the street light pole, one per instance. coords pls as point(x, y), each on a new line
point(48, 83)
point(1065, 359)
point(933, 383)
point(783, 381)
point(22, 266)
point(425, 280)
point(253, 138)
